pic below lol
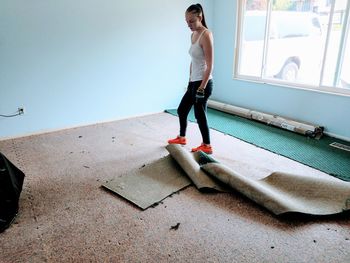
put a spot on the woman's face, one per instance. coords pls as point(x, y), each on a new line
point(194, 21)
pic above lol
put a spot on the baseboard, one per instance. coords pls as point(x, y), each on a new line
point(337, 136)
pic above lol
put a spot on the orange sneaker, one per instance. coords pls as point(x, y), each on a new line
point(204, 148)
point(178, 140)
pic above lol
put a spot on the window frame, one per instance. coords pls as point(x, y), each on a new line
point(240, 7)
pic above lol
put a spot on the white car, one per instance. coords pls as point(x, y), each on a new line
point(294, 46)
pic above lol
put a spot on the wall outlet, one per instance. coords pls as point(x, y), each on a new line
point(21, 110)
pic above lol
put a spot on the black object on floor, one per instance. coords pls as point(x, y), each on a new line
point(11, 182)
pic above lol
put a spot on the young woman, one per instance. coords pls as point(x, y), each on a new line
point(200, 85)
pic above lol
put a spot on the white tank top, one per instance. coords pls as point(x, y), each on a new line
point(198, 60)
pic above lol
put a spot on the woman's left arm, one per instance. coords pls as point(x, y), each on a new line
point(208, 48)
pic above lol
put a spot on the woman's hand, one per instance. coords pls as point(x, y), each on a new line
point(200, 89)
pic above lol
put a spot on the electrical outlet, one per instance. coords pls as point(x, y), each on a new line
point(21, 110)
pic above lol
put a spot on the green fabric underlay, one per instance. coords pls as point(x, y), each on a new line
point(314, 153)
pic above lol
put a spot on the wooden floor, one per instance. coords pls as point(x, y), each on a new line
point(65, 216)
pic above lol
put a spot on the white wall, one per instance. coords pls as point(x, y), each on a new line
point(330, 111)
point(77, 62)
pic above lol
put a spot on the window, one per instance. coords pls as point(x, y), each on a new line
point(294, 42)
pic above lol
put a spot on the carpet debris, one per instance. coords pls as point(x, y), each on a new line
point(175, 227)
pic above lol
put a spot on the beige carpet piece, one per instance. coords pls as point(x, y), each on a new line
point(189, 163)
point(149, 184)
point(283, 192)
point(279, 192)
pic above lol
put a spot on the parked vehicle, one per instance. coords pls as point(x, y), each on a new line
point(294, 48)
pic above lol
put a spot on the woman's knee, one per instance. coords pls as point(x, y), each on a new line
point(180, 111)
point(199, 112)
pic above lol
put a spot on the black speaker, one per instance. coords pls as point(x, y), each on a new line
point(11, 182)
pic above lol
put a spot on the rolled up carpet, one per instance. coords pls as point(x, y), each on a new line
point(282, 192)
point(189, 162)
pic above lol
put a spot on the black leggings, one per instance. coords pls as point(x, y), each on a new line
point(200, 109)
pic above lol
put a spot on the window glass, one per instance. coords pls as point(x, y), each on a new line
point(294, 42)
point(333, 54)
point(294, 53)
point(344, 81)
point(252, 47)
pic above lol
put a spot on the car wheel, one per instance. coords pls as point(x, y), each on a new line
point(290, 71)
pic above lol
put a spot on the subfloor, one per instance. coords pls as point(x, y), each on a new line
point(65, 216)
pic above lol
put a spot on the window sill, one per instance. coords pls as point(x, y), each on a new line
point(328, 90)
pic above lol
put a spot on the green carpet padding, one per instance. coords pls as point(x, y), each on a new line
point(314, 153)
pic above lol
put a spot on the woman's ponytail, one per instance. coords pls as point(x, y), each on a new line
point(198, 10)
